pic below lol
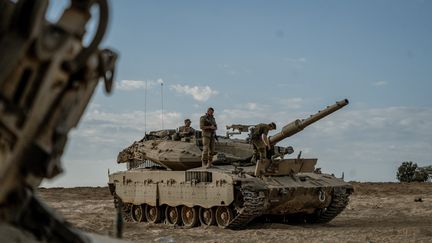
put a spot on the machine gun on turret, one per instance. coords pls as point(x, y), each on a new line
point(237, 129)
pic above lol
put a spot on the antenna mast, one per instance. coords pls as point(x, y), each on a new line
point(145, 109)
point(162, 105)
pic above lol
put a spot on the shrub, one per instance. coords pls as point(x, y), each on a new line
point(409, 172)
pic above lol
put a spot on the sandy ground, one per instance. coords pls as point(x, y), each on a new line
point(377, 212)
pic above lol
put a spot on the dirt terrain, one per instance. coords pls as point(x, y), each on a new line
point(377, 212)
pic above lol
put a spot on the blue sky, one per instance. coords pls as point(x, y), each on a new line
point(262, 61)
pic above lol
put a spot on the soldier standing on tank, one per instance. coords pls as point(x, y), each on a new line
point(186, 130)
point(261, 143)
point(208, 126)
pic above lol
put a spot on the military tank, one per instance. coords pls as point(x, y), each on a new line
point(165, 181)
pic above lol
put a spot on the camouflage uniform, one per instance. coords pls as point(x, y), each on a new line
point(258, 144)
point(208, 138)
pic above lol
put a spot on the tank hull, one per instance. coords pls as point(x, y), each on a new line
point(228, 188)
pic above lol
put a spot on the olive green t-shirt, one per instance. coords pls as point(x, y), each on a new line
point(186, 131)
point(207, 121)
point(258, 130)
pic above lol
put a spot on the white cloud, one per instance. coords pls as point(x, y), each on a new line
point(252, 106)
point(296, 60)
point(128, 85)
point(391, 122)
point(239, 115)
point(101, 135)
point(296, 63)
point(235, 70)
point(136, 120)
point(380, 83)
point(160, 81)
point(368, 144)
point(291, 103)
point(199, 93)
point(131, 84)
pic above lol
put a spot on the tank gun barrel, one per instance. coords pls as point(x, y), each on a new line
point(298, 125)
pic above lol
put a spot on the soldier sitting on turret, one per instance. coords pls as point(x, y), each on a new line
point(261, 143)
point(186, 130)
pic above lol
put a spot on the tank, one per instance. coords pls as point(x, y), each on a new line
point(165, 182)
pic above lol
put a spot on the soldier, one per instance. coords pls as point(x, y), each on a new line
point(186, 130)
point(261, 143)
point(208, 127)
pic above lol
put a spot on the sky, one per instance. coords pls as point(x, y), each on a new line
point(264, 61)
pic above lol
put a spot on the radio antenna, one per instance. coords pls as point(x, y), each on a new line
point(145, 109)
point(162, 117)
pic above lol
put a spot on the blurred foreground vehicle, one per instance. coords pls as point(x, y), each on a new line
point(47, 77)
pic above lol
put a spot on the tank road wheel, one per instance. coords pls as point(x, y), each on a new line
point(153, 214)
point(172, 216)
point(207, 216)
point(189, 216)
point(137, 213)
point(224, 216)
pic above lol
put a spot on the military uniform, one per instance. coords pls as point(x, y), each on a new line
point(208, 138)
point(256, 138)
point(186, 131)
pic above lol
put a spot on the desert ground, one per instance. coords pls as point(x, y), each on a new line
point(377, 212)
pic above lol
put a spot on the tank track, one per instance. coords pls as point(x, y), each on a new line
point(253, 206)
point(125, 208)
point(339, 202)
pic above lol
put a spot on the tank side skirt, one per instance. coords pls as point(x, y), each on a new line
point(206, 195)
point(148, 188)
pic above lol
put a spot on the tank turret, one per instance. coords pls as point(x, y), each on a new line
point(298, 125)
